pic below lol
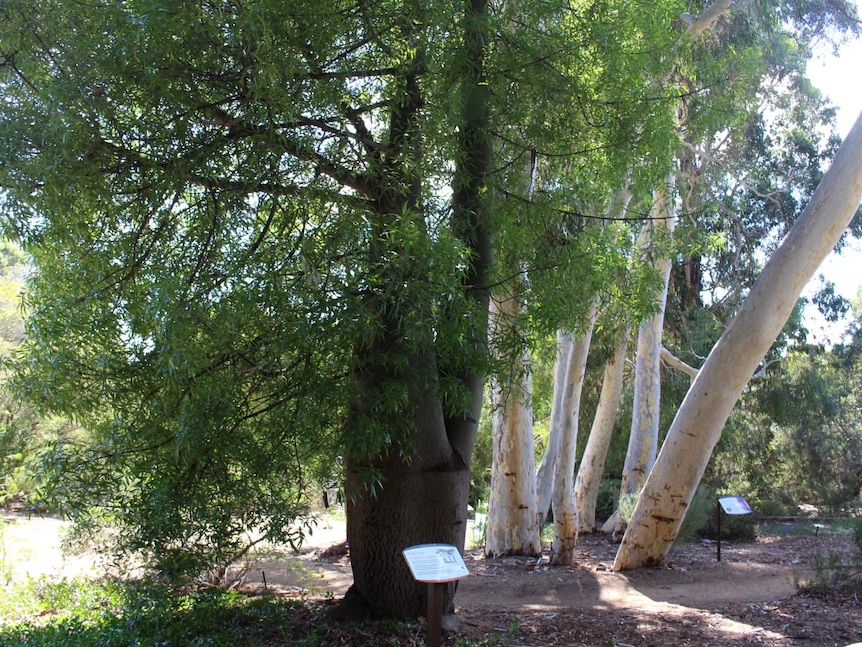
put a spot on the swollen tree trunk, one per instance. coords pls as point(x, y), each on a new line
point(417, 491)
point(643, 438)
point(699, 422)
point(563, 499)
point(592, 464)
point(512, 527)
point(545, 473)
point(420, 501)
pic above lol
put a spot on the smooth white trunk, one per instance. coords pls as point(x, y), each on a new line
point(643, 440)
point(675, 362)
point(563, 499)
point(646, 406)
point(545, 473)
point(592, 464)
point(699, 422)
point(512, 526)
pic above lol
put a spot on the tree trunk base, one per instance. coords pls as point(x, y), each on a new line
point(415, 505)
point(351, 608)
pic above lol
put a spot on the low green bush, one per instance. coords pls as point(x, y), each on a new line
point(113, 613)
point(831, 575)
point(772, 508)
point(697, 516)
point(606, 501)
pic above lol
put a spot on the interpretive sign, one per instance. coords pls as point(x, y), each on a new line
point(730, 505)
point(435, 563)
point(734, 505)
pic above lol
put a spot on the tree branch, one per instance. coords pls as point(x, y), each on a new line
point(696, 26)
point(672, 360)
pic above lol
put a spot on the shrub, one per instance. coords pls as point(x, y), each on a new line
point(771, 507)
point(609, 494)
point(831, 575)
point(627, 505)
point(697, 516)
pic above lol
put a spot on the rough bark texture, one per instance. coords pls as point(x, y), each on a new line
point(705, 409)
point(414, 506)
point(512, 527)
point(563, 500)
point(592, 465)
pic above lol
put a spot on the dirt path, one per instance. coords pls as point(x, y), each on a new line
point(746, 599)
point(749, 598)
point(646, 590)
point(691, 576)
point(33, 548)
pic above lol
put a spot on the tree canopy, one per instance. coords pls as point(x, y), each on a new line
point(264, 235)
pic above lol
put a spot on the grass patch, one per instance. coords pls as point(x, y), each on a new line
point(84, 613)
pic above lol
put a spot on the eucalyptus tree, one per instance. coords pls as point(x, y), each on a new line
point(699, 421)
point(743, 58)
point(644, 434)
point(512, 525)
point(615, 118)
point(592, 464)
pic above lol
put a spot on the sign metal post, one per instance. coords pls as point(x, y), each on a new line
point(730, 505)
point(435, 564)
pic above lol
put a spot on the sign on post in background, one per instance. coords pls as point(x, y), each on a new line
point(734, 505)
point(730, 505)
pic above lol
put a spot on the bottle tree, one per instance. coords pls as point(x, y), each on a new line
point(246, 265)
point(262, 240)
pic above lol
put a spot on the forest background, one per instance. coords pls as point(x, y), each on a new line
point(130, 376)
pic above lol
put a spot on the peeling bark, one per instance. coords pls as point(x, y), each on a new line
point(512, 527)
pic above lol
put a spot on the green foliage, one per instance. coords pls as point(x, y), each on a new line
point(245, 262)
point(831, 574)
point(697, 516)
point(23, 431)
point(626, 505)
point(796, 438)
point(115, 614)
point(244, 265)
point(606, 501)
point(480, 472)
point(84, 613)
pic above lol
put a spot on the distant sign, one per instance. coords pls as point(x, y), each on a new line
point(435, 563)
point(734, 505)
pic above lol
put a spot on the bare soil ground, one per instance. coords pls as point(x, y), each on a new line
point(748, 598)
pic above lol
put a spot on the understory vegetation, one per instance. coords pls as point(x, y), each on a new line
point(834, 572)
point(83, 613)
